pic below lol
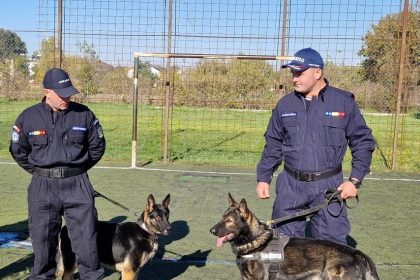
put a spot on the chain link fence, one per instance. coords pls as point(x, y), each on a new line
point(215, 110)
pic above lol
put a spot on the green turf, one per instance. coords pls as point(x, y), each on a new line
point(384, 225)
point(214, 136)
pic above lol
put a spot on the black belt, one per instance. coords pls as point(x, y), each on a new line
point(59, 172)
point(312, 176)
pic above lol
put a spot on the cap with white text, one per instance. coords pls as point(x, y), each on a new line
point(304, 59)
point(59, 81)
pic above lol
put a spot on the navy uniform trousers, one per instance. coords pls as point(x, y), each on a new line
point(73, 198)
point(292, 196)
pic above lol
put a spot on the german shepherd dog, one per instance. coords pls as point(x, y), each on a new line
point(124, 247)
point(303, 258)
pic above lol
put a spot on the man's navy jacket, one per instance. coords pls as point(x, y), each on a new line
point(316, 139)
point(43, 138)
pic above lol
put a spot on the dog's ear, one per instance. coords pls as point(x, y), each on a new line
point(243, 209)
point(232, 202)
point(166, 201)
point(150, 203)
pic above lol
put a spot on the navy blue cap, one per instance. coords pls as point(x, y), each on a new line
point(59, 81)
point(304, 59)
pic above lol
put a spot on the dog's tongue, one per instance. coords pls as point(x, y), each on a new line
point(221, 240)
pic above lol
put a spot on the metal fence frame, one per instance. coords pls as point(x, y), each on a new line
point(62, 31)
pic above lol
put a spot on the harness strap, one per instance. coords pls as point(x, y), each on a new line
point(272, 254)
point(273, 269)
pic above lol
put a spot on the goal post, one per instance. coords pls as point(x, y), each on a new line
point(138, 55)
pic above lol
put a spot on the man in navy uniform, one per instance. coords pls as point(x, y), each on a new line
point(309, 130)
point(57, 141)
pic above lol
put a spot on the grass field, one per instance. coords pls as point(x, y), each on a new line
point(214, 136)
point(384, 225)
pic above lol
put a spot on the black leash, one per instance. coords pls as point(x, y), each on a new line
point(311, 211)
point(136, 213)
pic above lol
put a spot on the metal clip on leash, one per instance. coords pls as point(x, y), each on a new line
point(136, 213)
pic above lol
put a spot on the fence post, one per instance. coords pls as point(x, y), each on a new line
point(168, 88)
point(282, 85)
point(135, 111)
point(400, 85)
point(60, 34)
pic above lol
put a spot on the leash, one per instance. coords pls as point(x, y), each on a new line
point(136, 213)
point(308, 213)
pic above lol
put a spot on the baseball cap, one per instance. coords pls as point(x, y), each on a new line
point(304, 59)
point(59, 81)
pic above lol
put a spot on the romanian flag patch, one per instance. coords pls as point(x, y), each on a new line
point(335, 114)
point(37, 132)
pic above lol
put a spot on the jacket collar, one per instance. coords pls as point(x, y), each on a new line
point(321, 92)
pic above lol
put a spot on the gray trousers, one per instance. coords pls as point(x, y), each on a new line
point(50, 199)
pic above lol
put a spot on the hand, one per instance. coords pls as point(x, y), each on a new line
point(263, 190)
point(348, 190)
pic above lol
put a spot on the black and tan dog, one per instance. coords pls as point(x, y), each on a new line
point(124, 247)
point(303, 258)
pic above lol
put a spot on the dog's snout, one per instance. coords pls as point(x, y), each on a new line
point(213, 230)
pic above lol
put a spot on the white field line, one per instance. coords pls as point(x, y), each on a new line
point(220, 173)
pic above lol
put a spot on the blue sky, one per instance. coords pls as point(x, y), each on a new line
point(21, 17)
point(334, 28)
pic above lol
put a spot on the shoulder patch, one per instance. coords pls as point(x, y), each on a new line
point(15, 136)
point(100, 132)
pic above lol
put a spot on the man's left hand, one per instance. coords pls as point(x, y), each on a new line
point(348, 190)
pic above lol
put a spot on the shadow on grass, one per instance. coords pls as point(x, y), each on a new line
point(382, 155)
point(190, 152)
point(170, 268)
point(21, 226)
point(19, 267)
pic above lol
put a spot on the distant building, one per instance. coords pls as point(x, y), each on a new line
point(156, 70)
point(31, 64)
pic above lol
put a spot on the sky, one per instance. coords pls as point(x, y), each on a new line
point(21, 17)
point(335, 28)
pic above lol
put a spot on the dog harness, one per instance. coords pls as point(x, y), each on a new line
point(272, 254)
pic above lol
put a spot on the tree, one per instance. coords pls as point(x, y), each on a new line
point(381, 49)
point(226, 83)
point(47, 58)
point(11, 45)
point(117, 85)
point(12, 65)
